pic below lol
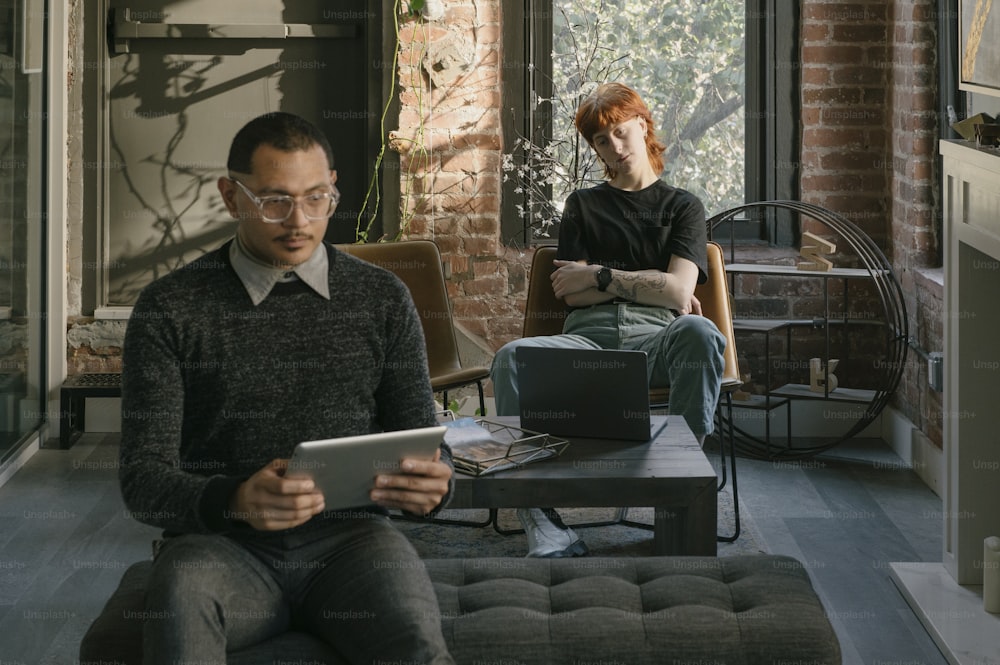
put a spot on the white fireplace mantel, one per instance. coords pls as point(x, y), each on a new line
point(947, 597)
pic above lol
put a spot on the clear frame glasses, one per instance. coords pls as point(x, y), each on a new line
point(276, 209)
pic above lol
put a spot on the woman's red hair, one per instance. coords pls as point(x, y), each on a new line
point(612, 104)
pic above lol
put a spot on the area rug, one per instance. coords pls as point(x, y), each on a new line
point(441, 541)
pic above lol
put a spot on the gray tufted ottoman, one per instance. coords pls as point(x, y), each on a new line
point(757, 609)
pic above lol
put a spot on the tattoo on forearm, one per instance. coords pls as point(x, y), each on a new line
point(633, 284)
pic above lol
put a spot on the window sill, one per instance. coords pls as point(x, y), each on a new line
point(113, 313)
point(930, 280)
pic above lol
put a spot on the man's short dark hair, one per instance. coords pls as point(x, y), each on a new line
point(284, 131)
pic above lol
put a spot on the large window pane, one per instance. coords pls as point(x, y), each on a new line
point(21, 221)
point(685, 58)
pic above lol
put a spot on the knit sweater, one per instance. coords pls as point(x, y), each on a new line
point(214, 388)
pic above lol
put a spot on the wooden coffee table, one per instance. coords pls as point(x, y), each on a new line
point(671, 474)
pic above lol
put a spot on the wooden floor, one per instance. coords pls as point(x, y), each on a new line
point(65, 539)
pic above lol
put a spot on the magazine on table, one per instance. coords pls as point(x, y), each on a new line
point(480, 446)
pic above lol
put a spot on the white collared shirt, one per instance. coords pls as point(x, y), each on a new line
point(259, 278)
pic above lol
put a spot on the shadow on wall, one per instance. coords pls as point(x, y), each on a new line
point(175, 103)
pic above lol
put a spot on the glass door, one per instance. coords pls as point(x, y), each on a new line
point(22, 220)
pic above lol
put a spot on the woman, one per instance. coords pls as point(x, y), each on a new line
point(631, 251)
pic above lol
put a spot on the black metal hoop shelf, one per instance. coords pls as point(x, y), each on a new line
point(875, 267)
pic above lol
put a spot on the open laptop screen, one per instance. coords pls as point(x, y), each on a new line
point(592, 393)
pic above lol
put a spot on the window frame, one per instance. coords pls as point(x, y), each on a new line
point(527, 66)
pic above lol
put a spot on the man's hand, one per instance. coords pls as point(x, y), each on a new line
point(417, 490)
point(268, 501)
point(572, 277)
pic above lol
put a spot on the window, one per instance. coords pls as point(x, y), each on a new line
point(23, 127)
point(162, 111)
point(720, 80)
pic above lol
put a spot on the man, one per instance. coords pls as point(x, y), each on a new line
point(273, 339)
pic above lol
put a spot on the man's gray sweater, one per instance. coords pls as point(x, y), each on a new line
point(214, 388)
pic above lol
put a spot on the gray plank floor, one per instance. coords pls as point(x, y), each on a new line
point(846, 515)
point(65, 539)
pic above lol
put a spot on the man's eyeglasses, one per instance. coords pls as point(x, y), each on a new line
point(276, 209)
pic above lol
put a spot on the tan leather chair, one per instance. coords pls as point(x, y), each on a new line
point(544, 314)
point(418, 264)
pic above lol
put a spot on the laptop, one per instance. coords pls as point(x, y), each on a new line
point(588, 393)
point(344, 468)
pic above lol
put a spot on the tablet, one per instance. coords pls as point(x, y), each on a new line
point(344, 468)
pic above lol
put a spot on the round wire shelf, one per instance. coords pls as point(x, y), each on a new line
point(894, 308)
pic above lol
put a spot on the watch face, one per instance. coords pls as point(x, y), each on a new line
point(603, 278)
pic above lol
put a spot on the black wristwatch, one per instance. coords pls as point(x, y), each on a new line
point(603, 279)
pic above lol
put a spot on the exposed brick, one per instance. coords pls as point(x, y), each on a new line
point(448, 244)
point(787, 287)
point(463, 203)
point(833, 54)
point(831, 183)
point(487, 267)
point(465, 161)
point(875, 95)
point(924, 33)
point(486, 285)
point(480, 246)
point(488, 34)
point(761, 308)
point(469, 309)
point(854, 160)
point(446, 225)
point(490, 141)
point(832, 136)
point(482, 224)
point(815, 32)
point(477, 327)
point(844, 12)
point(852, 115)
point(922, 169)
point(815, 76)
point(464, 118)
point(860, 33)
point(459, 264)
point(857, 75)
point(825, 96)
point(449, 182)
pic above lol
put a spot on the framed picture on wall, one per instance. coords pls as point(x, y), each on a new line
point(979, 47)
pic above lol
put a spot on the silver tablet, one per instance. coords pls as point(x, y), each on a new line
point(344, 468)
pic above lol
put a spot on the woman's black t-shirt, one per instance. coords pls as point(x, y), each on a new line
point(634, 230)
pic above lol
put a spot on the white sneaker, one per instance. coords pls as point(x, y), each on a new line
point(549, 538)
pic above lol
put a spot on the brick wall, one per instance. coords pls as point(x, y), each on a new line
point(915, 205)
point(846, 165)
point(868, 151)
point(452, 186)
